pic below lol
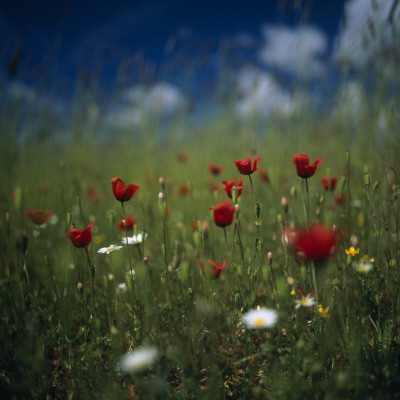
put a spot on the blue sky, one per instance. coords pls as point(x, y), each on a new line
point(68, 34)
point(156, 57)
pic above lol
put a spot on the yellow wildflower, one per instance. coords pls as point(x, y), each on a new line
point(323, 312)
point(293, 292)
point(352, 251)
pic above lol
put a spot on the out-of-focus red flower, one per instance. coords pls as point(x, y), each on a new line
point(329, 184)
point(129, 223)
point(121, 191)
point(316, 244)
point(92, 195)
point(212, 270)
point(264, 177)
point(228, 186)
point(183, 190)
point(223, 213)
point(80, 238)
point(181, 157)
point(215, 169)
point(42, 189)
point(339, 198)
point(39, 217)
point(245, 167)
point(193, 225)
point(303, 167)
point(213, 187)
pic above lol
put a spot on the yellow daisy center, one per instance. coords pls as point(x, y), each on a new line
point(259, 322)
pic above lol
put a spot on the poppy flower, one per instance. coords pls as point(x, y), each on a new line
point(129, 223)
point(181, 157)
point(228, 186)
point(39, 217)
point(213, 187)
point(81, 238)
point(316, 244)
point(329, 184)
point(303, 167)
point(212, 269)
point(92, 195)
point(339, 198)
point(223, 213)
point(183, 190)
point(121, 191)
point(264, 177)
point(245, 168)
point(215, 169)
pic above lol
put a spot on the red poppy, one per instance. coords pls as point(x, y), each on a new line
point(329, 184)
point(303, 167)
point(212, 270)
point(214, 187)
point(339, 199)
point(223, 213)
point(92, 195)
point(245, 168)
point(264, 177)
point(215, 169)
point(181, 157)
point(42, 189)
point(39, 217)
point(228, 186)
point(316, 244)
point(121, 191)
point(183, 190)
point(129, 223)
point(80, 238)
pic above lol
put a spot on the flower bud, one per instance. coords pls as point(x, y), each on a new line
point(285, 204)
point(21, 240)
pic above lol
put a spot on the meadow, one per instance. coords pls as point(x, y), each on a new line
point(299, 301)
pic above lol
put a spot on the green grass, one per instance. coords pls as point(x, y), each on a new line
point(53, 349)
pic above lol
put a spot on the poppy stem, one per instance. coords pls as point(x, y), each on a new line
point(314, 275)
point(129, 254)
point(252, 196)
point(226, 241)
point(126, 238)
point(307, 204)
point(92, 276)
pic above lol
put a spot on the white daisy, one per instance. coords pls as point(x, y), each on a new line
point(122, 287)
point(135, 239)
point(260, 318)
point(139, 360)
point(109, 249)
point(363, 267)
point(307, 301)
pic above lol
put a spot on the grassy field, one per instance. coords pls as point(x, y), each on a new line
point(70, 315)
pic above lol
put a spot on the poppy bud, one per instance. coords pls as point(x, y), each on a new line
point(21, 240)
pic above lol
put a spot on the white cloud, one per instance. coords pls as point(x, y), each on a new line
point(139, 103)
point(351, 101)
point(297, 50)
point(370, 33)
point(261, 95)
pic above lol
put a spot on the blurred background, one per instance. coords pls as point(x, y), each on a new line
point(189, 61)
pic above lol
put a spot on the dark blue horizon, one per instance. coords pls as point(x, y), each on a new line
point(63, 38)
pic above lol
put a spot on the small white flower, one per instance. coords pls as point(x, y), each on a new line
point(363, 267)
point(307, 301)
point(139, 360)
point(135, 239)
point(122, 287)
point(130, 274)
point(260, 318)
point(109, 249)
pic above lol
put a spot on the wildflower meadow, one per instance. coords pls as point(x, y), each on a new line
point(209, 253)
point(223, 266)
